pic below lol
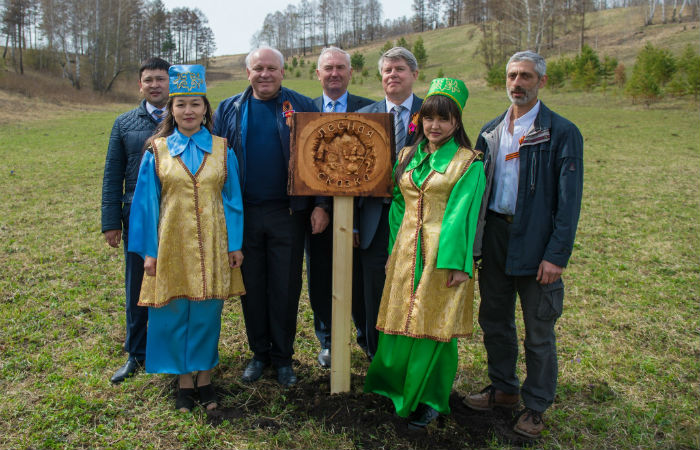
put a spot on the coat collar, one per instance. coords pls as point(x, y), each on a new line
point(178, 142)
point(439, 160)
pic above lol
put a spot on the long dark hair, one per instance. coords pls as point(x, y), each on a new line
point(435, 106)
point(167, 125)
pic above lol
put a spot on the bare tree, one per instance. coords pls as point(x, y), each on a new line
point(323, 19)
point(651, 10)
point(432, 13)
point(374, 19)
point(453, 12)
point(419, 17)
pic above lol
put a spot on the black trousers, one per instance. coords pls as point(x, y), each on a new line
point(273, 250)
point(319, 277)
point(136, 316)
point(373, 261)
point(541, 306)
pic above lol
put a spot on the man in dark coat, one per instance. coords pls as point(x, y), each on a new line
point(254, 122)
point(399, 70)
point(334, 73)
point(126, 144)
point(527, 224)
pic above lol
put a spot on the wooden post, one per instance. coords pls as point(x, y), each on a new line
point(344, 155)
point(342, 294)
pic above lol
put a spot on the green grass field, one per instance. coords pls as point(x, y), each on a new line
point(629, 339)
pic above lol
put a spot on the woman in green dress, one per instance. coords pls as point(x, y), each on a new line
point(439, 182)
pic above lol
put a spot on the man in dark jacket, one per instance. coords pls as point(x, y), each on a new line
point(525, 235)
point(399, 70)
point(126, 143)
point(254, 122)
point(334, 73)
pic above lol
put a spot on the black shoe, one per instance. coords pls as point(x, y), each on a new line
point(324, 358)
point(253, 371)
point(365, 350)
point(127, 370)
point(207, 395)
point(427, 415)
point(285, 376)
point(185, 399)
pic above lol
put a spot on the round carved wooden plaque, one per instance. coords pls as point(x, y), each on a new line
point(341, 154)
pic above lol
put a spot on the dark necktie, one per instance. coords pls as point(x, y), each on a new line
point(399, 128)
point(333, 103)
point(158, 115)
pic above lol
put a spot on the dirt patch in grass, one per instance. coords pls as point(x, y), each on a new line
point(368, 419)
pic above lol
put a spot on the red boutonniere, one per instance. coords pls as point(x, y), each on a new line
point(413, 123)
point(287, 112)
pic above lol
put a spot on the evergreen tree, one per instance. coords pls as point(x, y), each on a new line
point(388, 46)
point(686, 80)
point(657, 62)
point(586, 72)
point(556, 75)
point(496, 76)
point(357, 61)
point(607, 70)
point(420, 53)
point(643, 86)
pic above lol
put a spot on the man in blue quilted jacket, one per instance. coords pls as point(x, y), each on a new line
point(126, 144)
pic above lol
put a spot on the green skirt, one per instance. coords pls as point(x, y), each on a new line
point(411, 371)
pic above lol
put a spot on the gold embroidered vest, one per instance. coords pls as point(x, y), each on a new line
point(192, 238)
point(433, 311)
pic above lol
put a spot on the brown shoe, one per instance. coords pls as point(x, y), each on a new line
point(491, 397)
point(529, 424)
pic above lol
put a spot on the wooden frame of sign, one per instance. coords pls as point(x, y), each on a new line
point(343, 155)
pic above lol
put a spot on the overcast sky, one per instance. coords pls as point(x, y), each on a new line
point(235, 22)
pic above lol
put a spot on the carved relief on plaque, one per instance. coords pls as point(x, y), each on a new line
point(338, 154)
point(343, 153)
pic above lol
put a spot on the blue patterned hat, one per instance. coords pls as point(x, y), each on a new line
point(187, 80)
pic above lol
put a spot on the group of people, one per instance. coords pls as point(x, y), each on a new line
point(180, 178)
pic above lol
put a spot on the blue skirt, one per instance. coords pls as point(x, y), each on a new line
point(183, 336)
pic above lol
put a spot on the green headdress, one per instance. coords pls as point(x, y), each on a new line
point(450, 87)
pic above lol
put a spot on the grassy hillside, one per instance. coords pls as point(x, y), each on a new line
point(615, 32)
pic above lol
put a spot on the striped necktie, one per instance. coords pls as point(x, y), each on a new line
point(399, 128)
point(158, 115)
point(332, 104)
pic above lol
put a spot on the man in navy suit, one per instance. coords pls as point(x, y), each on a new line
point(399, 70)
point(334, 73)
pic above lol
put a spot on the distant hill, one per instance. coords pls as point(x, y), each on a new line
point(615, 32)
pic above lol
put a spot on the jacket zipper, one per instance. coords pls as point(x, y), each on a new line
point(533, 172)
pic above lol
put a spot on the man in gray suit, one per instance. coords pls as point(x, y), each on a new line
point(399, 70)
point(334, 73)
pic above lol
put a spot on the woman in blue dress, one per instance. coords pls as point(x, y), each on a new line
point(187, 224)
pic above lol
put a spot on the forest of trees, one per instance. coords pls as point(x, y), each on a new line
point(102, 38)
point(507, 25)
point(345, 23)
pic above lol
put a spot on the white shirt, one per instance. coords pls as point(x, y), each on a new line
point(150, 108)
point(405, 113)
point(340, 106)
point(504, 194)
